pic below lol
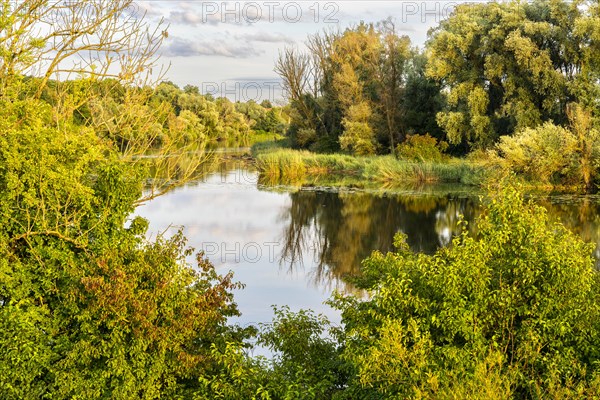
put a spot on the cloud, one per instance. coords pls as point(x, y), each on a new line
point(267, 37)
point(192, 17)
point(146, 8)
point(259, 79)
point(209, 13)
point(223, 44)
point(184, 47)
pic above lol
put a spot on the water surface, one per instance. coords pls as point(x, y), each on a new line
point(295, 246)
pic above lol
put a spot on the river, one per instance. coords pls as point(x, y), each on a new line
point(295, 246)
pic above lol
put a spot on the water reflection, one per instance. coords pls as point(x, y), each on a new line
point(311, 240)
point(339, 229)
point(581, 214)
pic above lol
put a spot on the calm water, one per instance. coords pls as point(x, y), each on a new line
point(294, 247)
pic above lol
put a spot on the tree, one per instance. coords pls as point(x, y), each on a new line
point(391, 76)
point(358, 136)
point(588, 148)
point(349, 90)
point(89, 38)
point(509, 66)
point(421, 99)
point(545, 154)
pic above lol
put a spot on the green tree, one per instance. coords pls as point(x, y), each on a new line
point(421, 99)
point(509, 66)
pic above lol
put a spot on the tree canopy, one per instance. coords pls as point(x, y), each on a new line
point(514, 65)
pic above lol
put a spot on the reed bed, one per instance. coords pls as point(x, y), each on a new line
point(293, 165)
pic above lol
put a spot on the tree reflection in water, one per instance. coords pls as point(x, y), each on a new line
point(581, 214)
point(339, 229)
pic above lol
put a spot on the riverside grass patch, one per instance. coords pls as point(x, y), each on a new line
point(287, 165)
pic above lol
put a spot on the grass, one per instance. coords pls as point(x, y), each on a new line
point(296, 166)
point(278, 164)
point(262, 137)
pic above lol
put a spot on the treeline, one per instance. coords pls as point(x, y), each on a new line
point(362, 90)
point(491, 76)
point(206, 118)
point(163, 113)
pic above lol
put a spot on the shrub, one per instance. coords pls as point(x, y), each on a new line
point(422, 148)
point(545, 153)
point(511, 312)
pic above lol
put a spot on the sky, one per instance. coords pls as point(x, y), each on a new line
point(228, 48)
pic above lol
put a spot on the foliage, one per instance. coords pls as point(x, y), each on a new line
point(588, 148)
point(422, 99)
point(88, 308)
point(348, 91)
point(422, 148)
point(358, 135)
point(306, 363)
point(513, 65)
point(545, 153)
point(551, 154)
point(511, 312)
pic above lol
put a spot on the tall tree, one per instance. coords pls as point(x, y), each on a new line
point(507, 66)
point(395, 51)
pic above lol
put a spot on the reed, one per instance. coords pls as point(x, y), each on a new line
point(293, 165)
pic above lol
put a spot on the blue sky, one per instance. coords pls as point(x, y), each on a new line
point(229, 47)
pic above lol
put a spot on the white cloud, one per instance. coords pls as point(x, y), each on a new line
point(186, 47)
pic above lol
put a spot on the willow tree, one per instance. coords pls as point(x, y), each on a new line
point(508, 66)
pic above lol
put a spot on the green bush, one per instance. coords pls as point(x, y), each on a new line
point(510, 313)
point(421, 148)
point(307, 362)
point(545, 153)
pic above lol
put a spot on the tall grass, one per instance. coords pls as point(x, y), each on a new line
point(389, 170)
point(293, 165)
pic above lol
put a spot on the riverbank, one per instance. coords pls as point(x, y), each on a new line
point(278, 164)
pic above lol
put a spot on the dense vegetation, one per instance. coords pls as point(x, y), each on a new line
point(203, 118)
point(362, 90)
point(90, 309)
point(488, 73)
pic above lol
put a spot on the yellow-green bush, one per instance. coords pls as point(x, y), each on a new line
point(422, 148)
point(546, 153)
